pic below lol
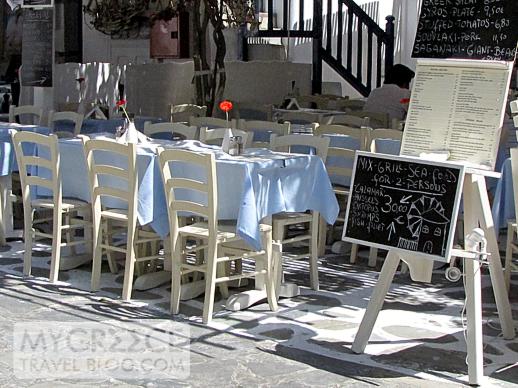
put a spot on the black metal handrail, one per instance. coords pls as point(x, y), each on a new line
point(343, 49)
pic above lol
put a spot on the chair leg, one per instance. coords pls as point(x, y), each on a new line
point(322, 236)
point(354, 253)
point(508, 256)
point(87, 232)
point(69, 234)
point(313, 259)
point(271, 268)
point(176, 272)
point(56, 244)
point(210, 283)
point(3, 201)
point(97, 237)
point(220, 272)
point(106, 230)
point(278, 237)
point(28, 235)
point(129, 266)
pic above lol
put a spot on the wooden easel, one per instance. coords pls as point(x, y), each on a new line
point(477, 213)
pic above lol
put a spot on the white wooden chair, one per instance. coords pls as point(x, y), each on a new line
point(283, 220)
point(216, 135)
point(212, 233)
point(382, 133)
point(26, 110)
point(74, 117)
point(173, 130)
point(267, 127)
point(112, 172)
point(183, 112)
point(343, 154)
point(512, 226)
point(65, 211)
point(349, 120)
point(212, 122)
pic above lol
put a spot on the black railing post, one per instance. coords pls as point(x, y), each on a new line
point(317, 47)
point(389, 49)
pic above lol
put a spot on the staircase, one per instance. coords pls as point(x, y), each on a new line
point(343, 36)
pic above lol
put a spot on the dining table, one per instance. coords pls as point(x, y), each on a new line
point(92, 126)
point(251, 188)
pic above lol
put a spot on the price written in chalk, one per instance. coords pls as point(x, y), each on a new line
point(403, 203)
point(470, 29)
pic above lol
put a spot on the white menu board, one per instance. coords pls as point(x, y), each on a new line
point(457, 106)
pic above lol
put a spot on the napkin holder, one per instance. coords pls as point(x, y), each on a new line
point(131, 135)
point(225, 145)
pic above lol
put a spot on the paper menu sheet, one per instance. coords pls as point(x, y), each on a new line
point(457, 106)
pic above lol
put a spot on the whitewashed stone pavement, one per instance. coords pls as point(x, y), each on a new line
point(418, 340)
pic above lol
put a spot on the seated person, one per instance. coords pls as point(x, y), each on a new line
point(393, 97)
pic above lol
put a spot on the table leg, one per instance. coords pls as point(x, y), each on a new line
point(474, 318)
point(6, 208)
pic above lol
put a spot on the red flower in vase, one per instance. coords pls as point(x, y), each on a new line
point(121, 103)
point(226, 106)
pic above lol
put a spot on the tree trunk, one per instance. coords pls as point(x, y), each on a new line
point(200, 23)
point(219, 76)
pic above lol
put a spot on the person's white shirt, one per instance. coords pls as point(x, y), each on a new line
point(389, 98)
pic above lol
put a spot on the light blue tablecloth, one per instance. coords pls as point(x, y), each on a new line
point(503, 201)
point(98, 126)
point(250, 187)
point(7, 156)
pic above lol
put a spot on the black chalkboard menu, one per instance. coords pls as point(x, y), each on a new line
point(404, 203)
point(37, 48)
point(468, 29)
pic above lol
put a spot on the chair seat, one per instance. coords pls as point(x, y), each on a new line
point(226, 231)
point(290, 218)
point(67, 205)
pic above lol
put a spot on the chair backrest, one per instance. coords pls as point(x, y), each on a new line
point(285, 143)
point(30, 166)
point(212, 122)
point(112, 172)
point(300, 117)
point(260, 131)
point(216, 135)
point(349, 120)
point(342, 149)
point(200, 197)
point(183, 112)
point(361, 134)
point(382, 133)
point(15, 111)
point(171, 130)
point(74, 117)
